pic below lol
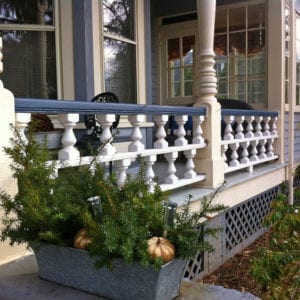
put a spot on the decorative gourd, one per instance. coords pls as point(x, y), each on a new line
point(81, 240)
point(161, 247)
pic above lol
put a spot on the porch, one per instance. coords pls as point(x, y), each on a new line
point(245, 159)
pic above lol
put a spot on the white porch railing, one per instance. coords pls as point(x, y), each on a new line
point(122, 161)
point(248, 138)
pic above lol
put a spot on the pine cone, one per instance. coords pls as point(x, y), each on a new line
point(41, 122)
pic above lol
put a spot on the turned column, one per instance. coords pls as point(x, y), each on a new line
point(208, 160)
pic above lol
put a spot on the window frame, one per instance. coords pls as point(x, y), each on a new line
point(47, 28)
point(171, 31)
point(185, 28)
point(139, 42)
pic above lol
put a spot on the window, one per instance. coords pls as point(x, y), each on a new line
point(177, 55)
point(29, 57)
point(180, 66)
point(241, 53)
point(119, 48)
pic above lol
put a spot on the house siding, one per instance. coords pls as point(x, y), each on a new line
point(297, 138)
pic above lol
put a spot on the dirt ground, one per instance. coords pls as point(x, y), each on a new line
point(235, 273)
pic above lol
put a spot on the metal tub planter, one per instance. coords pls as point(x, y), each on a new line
point(75, 268)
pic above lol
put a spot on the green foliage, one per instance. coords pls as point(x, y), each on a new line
point(52, 208)
point(277, 267)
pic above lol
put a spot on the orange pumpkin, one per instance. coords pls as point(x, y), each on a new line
point(161, 247)
point(81, 239)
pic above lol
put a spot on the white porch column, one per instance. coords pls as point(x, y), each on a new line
point(208, 159)
point(7, 183)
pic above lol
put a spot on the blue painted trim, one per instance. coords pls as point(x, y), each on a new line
point(23, 105)
point(243, 112)
point(83, 49)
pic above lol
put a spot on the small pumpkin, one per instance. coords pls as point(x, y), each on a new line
point(81, 240)
point(161, 247)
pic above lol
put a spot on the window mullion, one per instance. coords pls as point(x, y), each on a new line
point(118, 38)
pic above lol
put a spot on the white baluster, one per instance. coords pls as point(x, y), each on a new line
point(68, 152)
point(228, 129)
point(258, 128)
point(234, 156)
point(197, 129)
point(266, 131)
point(190, 166)
point(224, 148)
point(106, 136)
point(262, 150)
point(136, 135)
point(270, 152)
point(122, 166)
point(160, 122)
point(22, 121)
point(239, 129)
point(150, 160)
point(171, 178)
point(254, 156)
point(249, 127)
point(181, 140)
point(274, 126)
point(245, 153)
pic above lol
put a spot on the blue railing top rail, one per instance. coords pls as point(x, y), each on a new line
point(244, 112)
point(48, 106)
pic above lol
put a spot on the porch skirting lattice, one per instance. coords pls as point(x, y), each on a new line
point(241, 225)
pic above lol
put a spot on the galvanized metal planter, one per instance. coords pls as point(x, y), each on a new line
point(75, 268)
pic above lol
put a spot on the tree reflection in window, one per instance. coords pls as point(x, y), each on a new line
point(29, 55)
point(120, 48)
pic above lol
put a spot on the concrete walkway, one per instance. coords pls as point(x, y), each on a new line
point(19, 281)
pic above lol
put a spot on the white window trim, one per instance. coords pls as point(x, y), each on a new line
point(63, 30)
point(64, 50)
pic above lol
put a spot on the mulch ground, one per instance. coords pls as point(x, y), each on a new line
point(235, 273)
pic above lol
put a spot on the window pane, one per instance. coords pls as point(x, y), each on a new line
point(220, 45)
point(256, 91)
point(237, 56)
point(256, 41)
point(237, 18)
point(188, 88)
point(27, 12)
point(237, 43)
point(221, 21)
point(174, 82)
point(298, 72)
point(256, 16)
point(256, 64)
point(297, 95)
point(188, 82)
point(120, 69)
point(238, 89)
point(118, 17)
point(174, 52)
point(221, 67)
point(30, 63)
point(188, 43)
point(222, 87)
point(188, 74)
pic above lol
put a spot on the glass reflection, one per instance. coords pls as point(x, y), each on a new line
point(30, 63)
point(27, 12)
point(119, 69)
point(118, 17)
